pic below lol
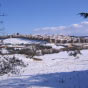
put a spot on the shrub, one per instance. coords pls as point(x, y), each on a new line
point(74, 53)
point(8, 64)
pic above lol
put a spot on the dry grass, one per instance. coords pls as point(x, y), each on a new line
point(37, 59)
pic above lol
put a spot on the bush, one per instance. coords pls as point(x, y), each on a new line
point(8, 64)
point(74, 53)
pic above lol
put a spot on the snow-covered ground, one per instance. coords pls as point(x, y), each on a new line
point(20, 41)
point(53, 71)
point(54, 46)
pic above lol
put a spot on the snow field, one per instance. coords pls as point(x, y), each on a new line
point(54, 71)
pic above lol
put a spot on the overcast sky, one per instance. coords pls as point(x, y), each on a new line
point(45, 16)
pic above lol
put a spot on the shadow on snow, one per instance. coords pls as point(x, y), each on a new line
point(75, 79)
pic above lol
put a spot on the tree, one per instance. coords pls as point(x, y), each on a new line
point(1, 15)
point(85, 15)
point(1, 21)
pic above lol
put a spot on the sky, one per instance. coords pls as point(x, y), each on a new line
point(44, 16)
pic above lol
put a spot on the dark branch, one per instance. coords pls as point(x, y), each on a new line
point(85, 15)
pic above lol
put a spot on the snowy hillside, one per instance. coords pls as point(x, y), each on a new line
point(20, 41)
point(54, 71)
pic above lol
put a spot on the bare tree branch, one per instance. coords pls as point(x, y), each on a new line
point(83, 14)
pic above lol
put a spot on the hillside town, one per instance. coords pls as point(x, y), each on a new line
point(50, 38)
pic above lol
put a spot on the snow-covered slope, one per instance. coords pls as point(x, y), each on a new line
point(20, 41)
point(54, 46)
point(54, 71)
